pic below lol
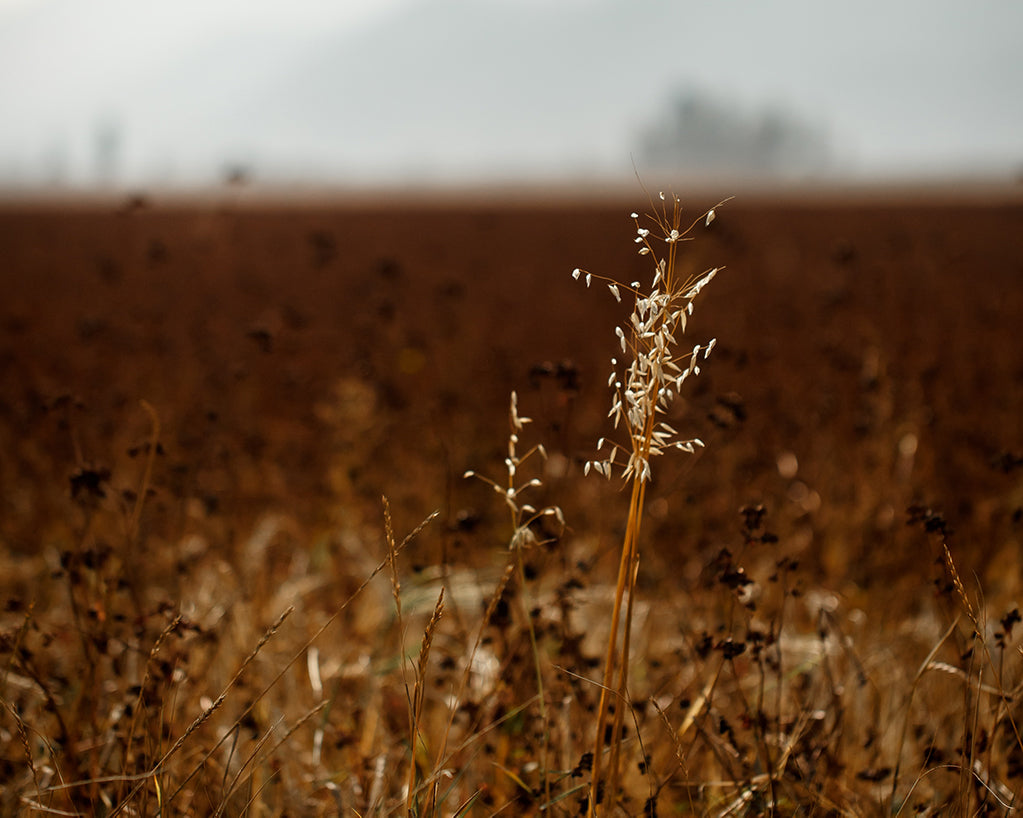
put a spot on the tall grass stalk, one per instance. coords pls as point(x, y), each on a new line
point(522, 517)
point(643, 390)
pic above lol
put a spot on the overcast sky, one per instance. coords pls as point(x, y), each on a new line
point(179, 91)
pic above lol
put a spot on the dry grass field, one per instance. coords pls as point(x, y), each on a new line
point(207, 606)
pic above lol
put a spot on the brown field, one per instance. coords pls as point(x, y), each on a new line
point(295, 363)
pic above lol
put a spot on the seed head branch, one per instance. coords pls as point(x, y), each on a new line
point(645, 387)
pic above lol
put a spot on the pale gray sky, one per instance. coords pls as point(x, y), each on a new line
point(175, 91)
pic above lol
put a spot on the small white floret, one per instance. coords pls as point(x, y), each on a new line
point(576, 273)
point(710, 217)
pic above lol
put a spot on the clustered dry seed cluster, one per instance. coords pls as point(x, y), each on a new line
point(654, 377)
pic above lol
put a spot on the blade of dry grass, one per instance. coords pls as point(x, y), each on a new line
point(416, 712)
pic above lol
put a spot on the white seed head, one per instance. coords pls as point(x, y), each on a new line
point(576, 273)
point(653, 377)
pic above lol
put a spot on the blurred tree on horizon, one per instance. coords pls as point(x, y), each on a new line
point(704, 132)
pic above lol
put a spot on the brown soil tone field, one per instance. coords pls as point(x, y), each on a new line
point(254, 332)
point(304, 360)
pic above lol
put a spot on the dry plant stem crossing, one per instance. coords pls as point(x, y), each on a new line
point(142, 778)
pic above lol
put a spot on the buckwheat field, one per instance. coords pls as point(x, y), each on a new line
point(665, 504)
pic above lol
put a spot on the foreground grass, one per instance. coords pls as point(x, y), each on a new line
point(277, 666)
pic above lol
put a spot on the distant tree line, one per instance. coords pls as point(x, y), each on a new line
point(700, 132)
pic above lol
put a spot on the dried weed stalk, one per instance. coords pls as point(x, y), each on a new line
point(644, 384)
point(523, 516)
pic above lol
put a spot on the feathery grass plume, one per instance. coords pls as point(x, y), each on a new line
point(643, 384)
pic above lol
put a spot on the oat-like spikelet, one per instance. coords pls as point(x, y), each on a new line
point(522, 514)
point(645, 384)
